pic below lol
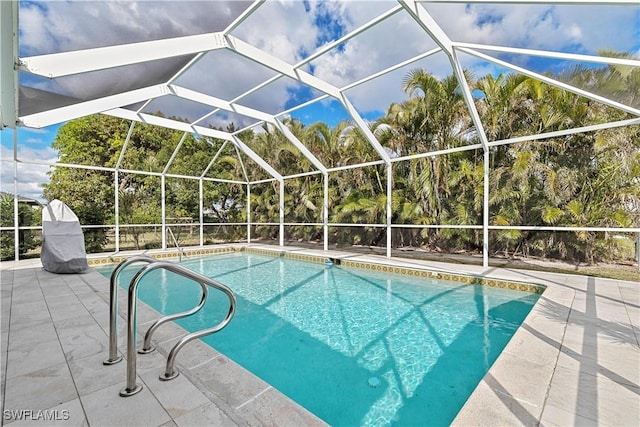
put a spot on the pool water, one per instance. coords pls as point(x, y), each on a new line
point(352, 346)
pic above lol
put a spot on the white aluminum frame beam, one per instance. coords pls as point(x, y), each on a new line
point(565, 132)
point(256, 88)
point(186, 68)
point(262, 181)
point(306, 104)
point(428, 24)
point(167, 123)
point(244, 170)
point(544, 2)
point(365, 129)
point(219, 103)
point(392, 68)
point(175, 153)
point(527, 138)
point(243, 16)
point(438, 152)
point(253, 156)
point(361, 29)
point(213, 159)
point(356, 165)
point(81, 109)
point(553, 82)
point(282, 67)
point(565, 228)
point(125, 145)
point(86, 60)
point(299, 145)
point(136, 172)
point(301, 174)
point(551, 54)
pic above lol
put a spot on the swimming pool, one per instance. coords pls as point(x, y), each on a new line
point(354, 347)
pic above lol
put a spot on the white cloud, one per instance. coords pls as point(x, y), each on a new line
point(48, 27)
point(30, 176)
point(282, 29)
point(227, 75)
point(553, 27)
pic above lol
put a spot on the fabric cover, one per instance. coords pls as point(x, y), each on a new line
point(62, 240)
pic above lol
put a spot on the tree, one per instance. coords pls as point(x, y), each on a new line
point(26, 239)
point(92, 141)
point(90, 196)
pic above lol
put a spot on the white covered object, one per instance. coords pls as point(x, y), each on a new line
point(62, 240)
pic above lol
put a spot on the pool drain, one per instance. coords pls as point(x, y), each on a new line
point(374, 382)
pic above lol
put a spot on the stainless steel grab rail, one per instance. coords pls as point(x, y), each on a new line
point(113, 306)
point(175, 242)
point(132, 387)
point(170, 373)
point(146, 347)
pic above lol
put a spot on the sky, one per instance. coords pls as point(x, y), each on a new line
point(291, 31)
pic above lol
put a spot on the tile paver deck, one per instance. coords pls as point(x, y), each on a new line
point(574, 361)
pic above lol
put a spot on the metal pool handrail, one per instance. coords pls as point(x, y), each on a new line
point(113, 306)
point(146, 347)
point(132, 387)
point(175, 242)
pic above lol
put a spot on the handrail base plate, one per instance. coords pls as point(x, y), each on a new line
point(125, 392)
point(165, 377)
point(112, 361)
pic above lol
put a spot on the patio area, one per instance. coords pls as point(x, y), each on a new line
point(574, 361)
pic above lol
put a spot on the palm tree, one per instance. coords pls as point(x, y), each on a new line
point(433, 118)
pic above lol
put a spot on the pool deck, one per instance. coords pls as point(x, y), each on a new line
point(574, 361)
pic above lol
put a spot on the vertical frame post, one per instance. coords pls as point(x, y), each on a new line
point(281, 212)
point(389, 169)
point(163, 212)
point(116, 198)
point(325, 210)
point(201, 206)
point(638, 250)
point(16, 217)
point(248, 213)
point(485, 211)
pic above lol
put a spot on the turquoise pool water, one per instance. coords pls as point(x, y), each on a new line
point(352, 346)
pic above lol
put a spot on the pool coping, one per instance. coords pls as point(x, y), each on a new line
point(576, 350)
point(344, 261)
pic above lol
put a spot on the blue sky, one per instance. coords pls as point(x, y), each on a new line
point(291, 31)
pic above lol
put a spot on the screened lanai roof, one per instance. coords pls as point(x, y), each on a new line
point(215, 68)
